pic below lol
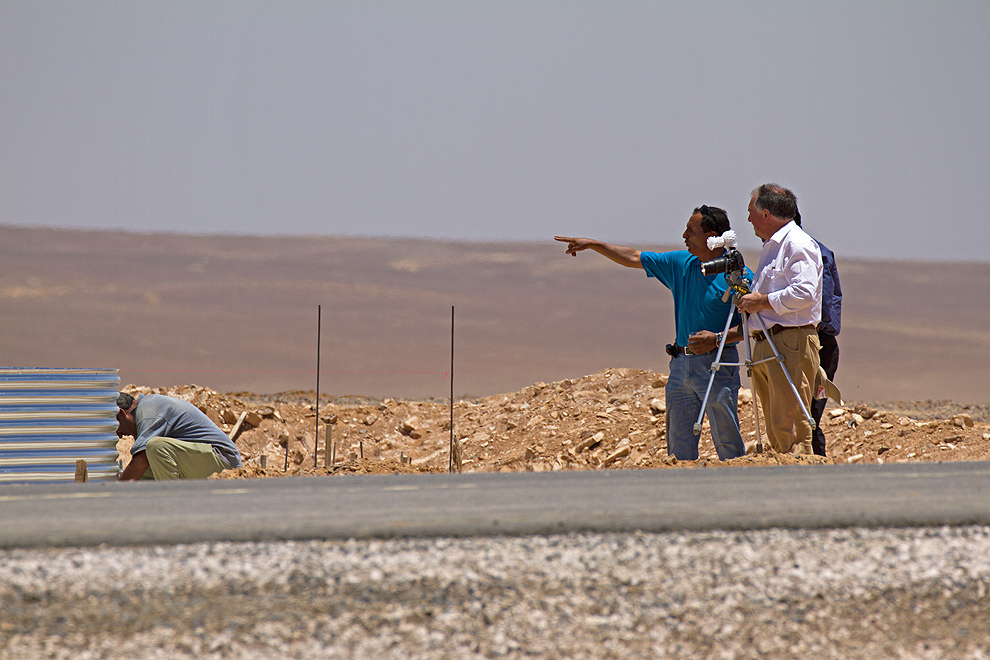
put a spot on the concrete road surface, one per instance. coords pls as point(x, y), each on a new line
point(904, 495)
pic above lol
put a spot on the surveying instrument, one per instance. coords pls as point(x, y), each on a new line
point(731, 263)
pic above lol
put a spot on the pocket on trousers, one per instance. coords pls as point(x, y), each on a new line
point(789, 340)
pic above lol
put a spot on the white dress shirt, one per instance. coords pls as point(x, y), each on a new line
point(790, 274)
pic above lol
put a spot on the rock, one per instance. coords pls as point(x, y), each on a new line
point(857, 418)
point(370, 420)
point(590, 442)
point(617, 454)
point(658, 406)
point(534, 421)
point(228, 416)
point(865, 411)
point(745, 395)
point(856, 458)
point(298, 449)
point(836, 412)
point(660, 381)
point(479, 438)
point(411, 427)
point(253, 419)
point(962, 420)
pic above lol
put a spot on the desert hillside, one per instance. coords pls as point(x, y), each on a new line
point(239, 313)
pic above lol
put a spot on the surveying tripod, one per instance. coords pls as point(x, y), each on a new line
point(739, 286)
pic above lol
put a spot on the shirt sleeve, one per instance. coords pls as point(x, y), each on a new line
point(659, 265)
point(834, 294)
point(801, 277)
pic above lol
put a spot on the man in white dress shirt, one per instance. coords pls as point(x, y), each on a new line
point(787, 295)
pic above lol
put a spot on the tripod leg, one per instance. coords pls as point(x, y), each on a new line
point(749, 372)
point(716, 363)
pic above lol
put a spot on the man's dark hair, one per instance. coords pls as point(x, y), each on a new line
point(797, 217)
point(780, 201)
point(125, 401)
point(713, 219)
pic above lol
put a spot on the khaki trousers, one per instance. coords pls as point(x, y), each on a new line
point(788, 429)
point(169, 458)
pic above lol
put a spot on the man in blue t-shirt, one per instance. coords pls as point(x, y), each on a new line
point(173, 439)
point(700, 317)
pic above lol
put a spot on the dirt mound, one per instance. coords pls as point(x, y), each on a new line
point(613, 419)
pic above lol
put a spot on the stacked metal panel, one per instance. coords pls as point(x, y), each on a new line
point(51, 418)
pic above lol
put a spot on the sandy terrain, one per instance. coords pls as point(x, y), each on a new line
point(612, 419)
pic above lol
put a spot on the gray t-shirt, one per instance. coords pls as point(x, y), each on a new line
point(157, 415)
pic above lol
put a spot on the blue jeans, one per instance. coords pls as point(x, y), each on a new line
point(685, 390)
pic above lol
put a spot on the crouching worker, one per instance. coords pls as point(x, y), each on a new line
point(173, 439)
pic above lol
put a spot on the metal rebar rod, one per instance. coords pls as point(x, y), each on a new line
point(450, 467)
point(316, 434)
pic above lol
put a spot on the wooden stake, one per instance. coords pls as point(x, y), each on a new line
point(454, 464)
point(82, 472)
point(237, 426)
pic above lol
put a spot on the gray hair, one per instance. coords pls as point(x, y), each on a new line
point(125, 401)
point(780, 201)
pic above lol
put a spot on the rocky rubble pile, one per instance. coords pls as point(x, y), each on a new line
point(613, 419)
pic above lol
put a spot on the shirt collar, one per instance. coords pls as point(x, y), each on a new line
point(780, 234)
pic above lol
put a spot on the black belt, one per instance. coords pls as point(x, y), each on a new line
point(776, 327)
point(673, 350)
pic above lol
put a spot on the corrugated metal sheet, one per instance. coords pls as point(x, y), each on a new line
point(50, 418)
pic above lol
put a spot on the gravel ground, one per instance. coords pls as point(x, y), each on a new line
point(851, 593)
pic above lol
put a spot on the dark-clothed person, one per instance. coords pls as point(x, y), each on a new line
point(828, 330)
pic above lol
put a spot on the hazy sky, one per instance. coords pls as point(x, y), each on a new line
point(500, 120)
